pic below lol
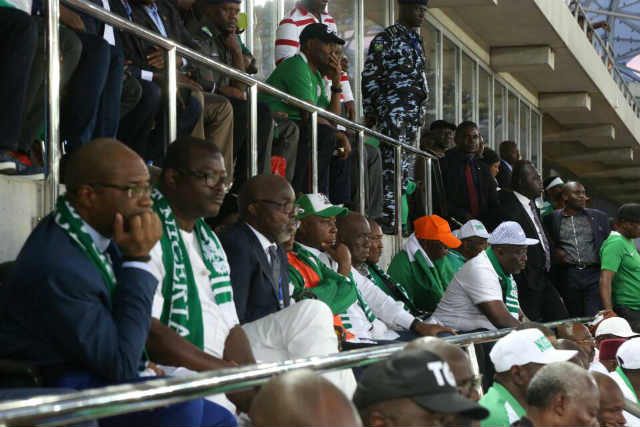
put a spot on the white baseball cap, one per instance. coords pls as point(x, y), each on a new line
point(510, 233)
point(471, 228)
point(628, 354)
point(617, 326)
point(526, 346)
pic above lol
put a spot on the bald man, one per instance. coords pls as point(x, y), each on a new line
point(79, 304)
point(579, 333)
point(581, 358)
point(260, 281)
point(611, 401)
point(302, 398)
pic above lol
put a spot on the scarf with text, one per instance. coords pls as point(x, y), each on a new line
point(509, 289)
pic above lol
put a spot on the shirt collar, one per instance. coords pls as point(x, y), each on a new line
point(304, 57)
point(524, 200)
point(264, 242)
point(101, 242)
point(314, 251)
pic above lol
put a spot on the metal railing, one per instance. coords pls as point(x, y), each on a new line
point(605, 52)
point(172, 50)
point(115, 400)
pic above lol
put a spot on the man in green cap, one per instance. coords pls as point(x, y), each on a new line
point(425, 267)
point(370, 314)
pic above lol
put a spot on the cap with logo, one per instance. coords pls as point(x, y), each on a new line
point(526, 346)
point(615, 326)
point(320, 32)
point(418, 375)
point(552, 182)
point(319, 205)
point(510, 233)
point(628, 354)
point(471, 228)
point(433, 227)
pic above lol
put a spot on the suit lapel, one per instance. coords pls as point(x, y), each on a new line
point(262, 258)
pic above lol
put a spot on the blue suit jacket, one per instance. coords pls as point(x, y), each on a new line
point(254, 289)
point(56, 310)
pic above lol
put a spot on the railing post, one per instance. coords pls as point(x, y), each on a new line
point(172, 96)
point(475, 366)
point(53, 113)
point(314, 152)
point(398, 195)
point(428, 186)
point(252, 161)
point(362, 194)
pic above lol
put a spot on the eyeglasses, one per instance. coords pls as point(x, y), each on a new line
point(211, 180)
point(285, 207)
point(133, 191)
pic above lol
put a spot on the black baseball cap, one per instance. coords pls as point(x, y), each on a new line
point(320, 32)
point(420, 376)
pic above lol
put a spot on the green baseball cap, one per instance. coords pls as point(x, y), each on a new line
point(319, 205)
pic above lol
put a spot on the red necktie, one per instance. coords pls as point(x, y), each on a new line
point(474, 207)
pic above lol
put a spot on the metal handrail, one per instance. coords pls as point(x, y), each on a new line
point(114, 400)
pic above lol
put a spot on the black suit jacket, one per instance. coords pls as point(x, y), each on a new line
point(254, 289)
point(534, 275)
point(452, 166)
point(504, 175)
point(599, 224)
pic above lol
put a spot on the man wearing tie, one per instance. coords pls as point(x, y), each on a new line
point(539, 298)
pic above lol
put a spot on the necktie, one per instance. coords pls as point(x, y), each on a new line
point(474, 207)
point(543, 237)
point(275, 271)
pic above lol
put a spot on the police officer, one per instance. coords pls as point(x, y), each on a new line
point(394, 88)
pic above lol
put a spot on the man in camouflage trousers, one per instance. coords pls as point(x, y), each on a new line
point(394, 88)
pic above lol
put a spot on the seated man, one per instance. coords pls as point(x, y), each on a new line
point(367, 312)
point(259, 278)
point(302, 398)
point(424, 266)
point(302, 76)
point(611, 413)
point(412, 388)
point(379, 277)
point(473, 236)
point(516, 358)
point(561, 394)
point(627, 375)
point(78, 301)
point(483, 294)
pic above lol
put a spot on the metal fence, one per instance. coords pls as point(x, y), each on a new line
point(120, 399)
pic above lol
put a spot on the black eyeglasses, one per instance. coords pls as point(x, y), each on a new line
point(133, 191)
point(286, 207)
point(211, 180)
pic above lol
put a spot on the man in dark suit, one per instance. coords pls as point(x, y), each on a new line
point(471, 190)
point(78, 301)
point(539, 299)
point(260, 279)
point(509, 155)
point(576, 234)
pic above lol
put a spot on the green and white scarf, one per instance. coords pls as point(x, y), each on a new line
point(626, 380)
point(380, 279)
point(69, 220)
point(509, 288)
point(182, 310)
point(433, 271)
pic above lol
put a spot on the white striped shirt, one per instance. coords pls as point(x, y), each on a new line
point(288, 40)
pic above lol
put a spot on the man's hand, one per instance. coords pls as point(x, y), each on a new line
point(230, 41)
point(429, 330)
point(233, 92)
point(156, 59)
point(185, 81)
point(350, 110)
point(334, 71)
point(156, 369)
point(344, 146)
point(340, 253)
point(71, 19)
point(140, 236)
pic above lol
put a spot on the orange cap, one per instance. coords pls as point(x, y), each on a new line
point(435, 228)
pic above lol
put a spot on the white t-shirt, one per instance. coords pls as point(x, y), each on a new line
point(218, 320)
point(476, 282)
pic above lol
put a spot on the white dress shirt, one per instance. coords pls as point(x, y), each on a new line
point(264, 242)
point(526, 204)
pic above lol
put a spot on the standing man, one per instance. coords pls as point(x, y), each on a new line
point(540, 299)
point(509, 155)
point(576, 234)
point(553, 186)
point(394, 88)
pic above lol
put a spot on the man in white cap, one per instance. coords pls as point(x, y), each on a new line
point(483, 294)
point(473, 236)
point(627, 375)
point(609, 328)
point(517, 357)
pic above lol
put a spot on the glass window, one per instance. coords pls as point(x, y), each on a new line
point(449, 80)
point(536, 140)
point(525, 126)
point(266, 21)
point(431, 38)
point(499, 114)
point(468, 87)
point(376, 19)
point(484, 105)
point(512, 120)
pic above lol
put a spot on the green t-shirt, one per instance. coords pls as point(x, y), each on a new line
point(294, 77)
point(620, 255)
point(504, 409)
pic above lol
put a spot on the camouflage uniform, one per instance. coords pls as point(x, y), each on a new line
point(394, 89)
